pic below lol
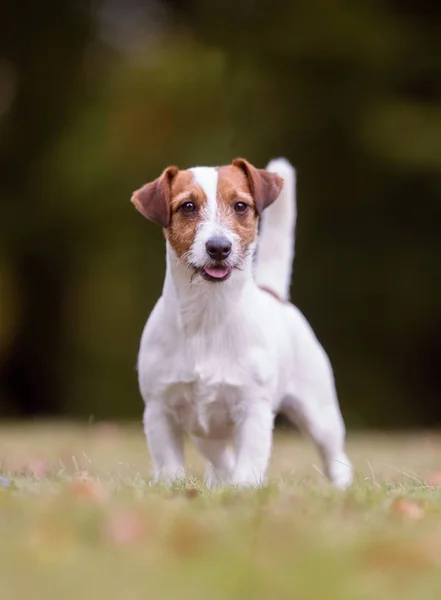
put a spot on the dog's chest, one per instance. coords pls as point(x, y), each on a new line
point(208, 377)
point(206, 402)
point(207, 397)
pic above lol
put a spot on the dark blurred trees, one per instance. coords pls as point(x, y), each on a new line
point(349, 92)
point(41, 53)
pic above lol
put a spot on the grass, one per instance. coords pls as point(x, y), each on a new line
point(78, 519)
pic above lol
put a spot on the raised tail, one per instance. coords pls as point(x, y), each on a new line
point(275, 252)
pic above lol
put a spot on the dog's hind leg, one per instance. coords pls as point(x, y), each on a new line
point(325, 426)
point(220, 459)
point(314, 408)
point(166, 444)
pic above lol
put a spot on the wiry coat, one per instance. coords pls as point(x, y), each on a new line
point(223, 349)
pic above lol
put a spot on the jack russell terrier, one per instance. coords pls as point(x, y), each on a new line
point(224, 350)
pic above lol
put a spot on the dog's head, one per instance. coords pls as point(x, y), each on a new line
point(210, 215)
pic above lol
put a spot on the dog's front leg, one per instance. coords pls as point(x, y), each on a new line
point(253, 445)
point(166, 444)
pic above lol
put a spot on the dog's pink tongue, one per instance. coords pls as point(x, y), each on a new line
point(216, 272)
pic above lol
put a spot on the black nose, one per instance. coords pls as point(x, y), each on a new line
point(218, 247)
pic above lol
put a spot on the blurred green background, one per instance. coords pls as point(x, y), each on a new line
point(96, 98)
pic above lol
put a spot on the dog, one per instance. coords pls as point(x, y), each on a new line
point(224, 350)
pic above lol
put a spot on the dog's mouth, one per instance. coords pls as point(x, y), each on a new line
point(217, 272)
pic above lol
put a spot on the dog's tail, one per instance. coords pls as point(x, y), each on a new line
point(275, 252)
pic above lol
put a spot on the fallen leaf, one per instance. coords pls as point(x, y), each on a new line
point(192, 493)
point(433, 478)
point(186, 538)
point(407, 508)
point(86, 490)
point(125, 527)
point(394, 556)
point(33, 466)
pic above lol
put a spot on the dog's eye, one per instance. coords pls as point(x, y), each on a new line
point(188, 208)
point(241, 207)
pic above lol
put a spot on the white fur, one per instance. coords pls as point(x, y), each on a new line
point(276, 242)
point(207, 178)
point(211, 224)
point(218, 360)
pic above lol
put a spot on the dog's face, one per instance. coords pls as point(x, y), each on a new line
point(210, 215)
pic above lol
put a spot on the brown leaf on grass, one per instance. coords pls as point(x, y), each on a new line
point(395, 556)
point(433, 478)
point(33, 466)
point(187, 538)
point(125, 527)
point(407, 508)
point(86, 489)
point(192, 493)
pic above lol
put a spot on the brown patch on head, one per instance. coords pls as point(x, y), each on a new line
point(233, 187)
point(264, 186)
point(176, 202)
point(153, 199)
point(182, 228)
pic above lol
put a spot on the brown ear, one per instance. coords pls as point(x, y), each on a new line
point(265, 186)
point(153, 199)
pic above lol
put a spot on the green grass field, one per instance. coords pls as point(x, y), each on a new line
point(78, 519)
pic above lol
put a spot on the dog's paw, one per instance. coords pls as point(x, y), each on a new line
point(340, 473)
point(247, 479)
point(168, 478)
